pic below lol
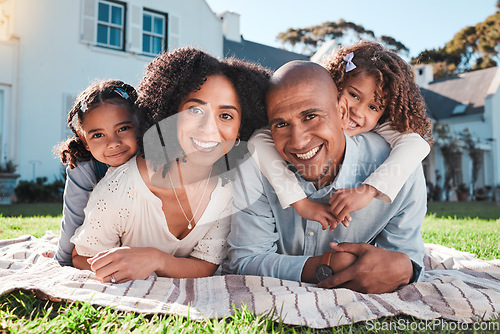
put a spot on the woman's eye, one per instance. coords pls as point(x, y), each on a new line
point(226, 116)
point(373, 108)
point(97, 135)
point(195, 110)
point(354, 95)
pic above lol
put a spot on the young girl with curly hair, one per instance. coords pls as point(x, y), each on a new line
point(382, 97)
point(105, 127)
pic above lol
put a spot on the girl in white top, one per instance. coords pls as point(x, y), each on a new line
point(167, 211)
point(104, 111)
point(383, 97)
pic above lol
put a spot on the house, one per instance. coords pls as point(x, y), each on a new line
point(469, 102)
point(50, 50)
point(236, 46)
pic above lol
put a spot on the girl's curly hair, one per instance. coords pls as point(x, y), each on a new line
point(171, 76)
point(115, 92)
point(405, 106)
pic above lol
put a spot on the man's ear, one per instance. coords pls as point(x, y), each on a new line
point(343, 111)
point(82, 138)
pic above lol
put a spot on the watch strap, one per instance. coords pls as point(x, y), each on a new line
point(326, 258)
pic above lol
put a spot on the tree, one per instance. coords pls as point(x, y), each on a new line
point(311, 38)
point(472, 48)
point(450, 145)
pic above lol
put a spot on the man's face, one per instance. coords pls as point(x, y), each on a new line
point(307, 123)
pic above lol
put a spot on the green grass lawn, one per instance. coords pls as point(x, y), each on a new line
point(467, 226)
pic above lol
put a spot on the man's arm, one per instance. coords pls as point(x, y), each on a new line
point(254, 232)
point(388, 264)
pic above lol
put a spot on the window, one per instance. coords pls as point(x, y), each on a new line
point(154, 27)
point(111, 24)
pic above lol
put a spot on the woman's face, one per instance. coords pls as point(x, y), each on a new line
point(209, 120)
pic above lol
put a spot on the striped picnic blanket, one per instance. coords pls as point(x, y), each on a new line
point(457, 286)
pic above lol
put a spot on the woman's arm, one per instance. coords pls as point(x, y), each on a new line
point(80, 261)
point(127, 264)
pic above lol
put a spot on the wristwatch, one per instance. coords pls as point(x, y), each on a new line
point(324, 270)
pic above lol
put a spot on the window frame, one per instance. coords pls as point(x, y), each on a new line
point(109, 25)
point(164, 37)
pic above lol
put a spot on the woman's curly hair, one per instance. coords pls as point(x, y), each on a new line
point(405, 106)
point(115, 92)
point(171, 76)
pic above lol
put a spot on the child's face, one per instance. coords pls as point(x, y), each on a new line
point(209, 120)
point(110, 134)
point(364, 111)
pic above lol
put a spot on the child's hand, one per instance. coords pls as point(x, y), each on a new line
point(316, 211)
point(49, 254)
point(345, 201)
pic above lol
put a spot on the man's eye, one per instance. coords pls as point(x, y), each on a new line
point(311, 116)
point(280, 125)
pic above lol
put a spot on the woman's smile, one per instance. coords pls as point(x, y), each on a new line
point(204, 146)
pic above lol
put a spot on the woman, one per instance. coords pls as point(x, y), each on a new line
point(175, 198)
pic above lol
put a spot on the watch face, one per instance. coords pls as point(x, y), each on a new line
point(323, 271)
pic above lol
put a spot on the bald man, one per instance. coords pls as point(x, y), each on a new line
point(307, 120)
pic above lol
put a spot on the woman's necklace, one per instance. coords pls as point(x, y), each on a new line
point(190, 226)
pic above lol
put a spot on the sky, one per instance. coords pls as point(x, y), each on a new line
point(420, 25)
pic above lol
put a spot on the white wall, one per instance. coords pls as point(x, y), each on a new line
point(53, 63)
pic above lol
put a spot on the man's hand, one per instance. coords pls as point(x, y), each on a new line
point(377, 270)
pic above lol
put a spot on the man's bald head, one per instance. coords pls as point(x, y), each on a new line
point(302, 72)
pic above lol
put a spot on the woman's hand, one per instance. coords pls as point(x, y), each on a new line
point(123, 264)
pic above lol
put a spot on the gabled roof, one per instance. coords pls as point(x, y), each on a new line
point(267, 56)
point(461, 95)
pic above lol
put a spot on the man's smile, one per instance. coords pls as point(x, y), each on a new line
point(309, 154)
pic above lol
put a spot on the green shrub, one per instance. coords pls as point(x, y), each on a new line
point(39, 191)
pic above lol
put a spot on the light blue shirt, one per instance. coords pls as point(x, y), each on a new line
point(267, 240)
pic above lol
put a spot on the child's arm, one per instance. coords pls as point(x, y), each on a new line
point(284, 182)
point(79, 184)
point(407, 152)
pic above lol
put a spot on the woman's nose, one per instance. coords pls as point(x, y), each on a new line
point(208, 124)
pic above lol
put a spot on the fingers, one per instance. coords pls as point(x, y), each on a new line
point(353, 248)
point(49, 254)
point(341, 278)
